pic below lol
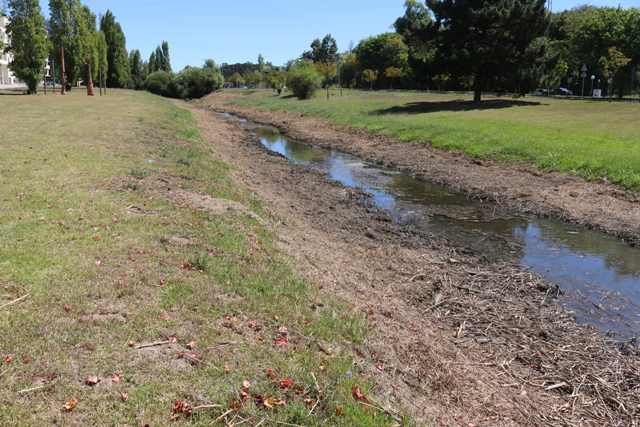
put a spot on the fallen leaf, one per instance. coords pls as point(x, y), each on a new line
point(339, 411)
point(227, 369)
point(91, 380)
point(282, 340)
point(235, 405)
point(98, 263)
point(286, 383)
point(173, 339)
point(270, 374)
point(124, 396)
point(272, 402)
point(181, 407)
point(116, 377)
point(26, 360)
point(66, 308)
point(246, 384)
point(192, 345)
point(165, 316)
point(131, 343)
point(357, 394)
point(70, 405)
point(97, 238)
point(8, 359)
point(309, 402)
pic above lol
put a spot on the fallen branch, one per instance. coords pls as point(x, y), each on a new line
point(153, 344)
point(381, 409)
point(222, 416)
point(197, 408)
point(15, 301)
point(29, 390)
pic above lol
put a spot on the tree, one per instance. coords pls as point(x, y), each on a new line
point(485, 39)
point(236, 80)
point(29, 44)
point(303, 79)
point(87, 48)
point(328, 71)
point(118, 73)
point(370, 76)
point(392, 73)
point(254, 78)
point(136, 70)
point(277, 80)
point(102, 59)
point(381, 52)
point(612, 64)
point(165, 64)
point(413, 26)
point(63, 34)
point(325, 50)
point(348, 70)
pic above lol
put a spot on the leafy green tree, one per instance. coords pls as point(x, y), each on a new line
point(136, 70)
point(87, 44)
point(29, 44)
point(485, 39)
point(63, 33)
point(236, 80)
point(392, 73)
point(325, 50)
point(328, 71)
point(381, 52)
point(303, 79)
point(153, 63)
point(102, 59)
point(413, 26)
point(612, 64)
point(254, 78)
point(370, 76)
point(118, 73)
point(348, 69)
point(277, 80)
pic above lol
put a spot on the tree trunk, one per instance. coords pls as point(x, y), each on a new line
point(63, 83)
point(327, 92)
point(477, 89)
point(89, 79)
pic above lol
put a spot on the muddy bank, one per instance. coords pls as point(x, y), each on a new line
point(522, 188)
point(453, 339)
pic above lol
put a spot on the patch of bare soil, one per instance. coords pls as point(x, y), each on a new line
point(453, 339)
point(597, 205)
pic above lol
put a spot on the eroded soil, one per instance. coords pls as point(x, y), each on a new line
point(598, 205)
point(454, 340)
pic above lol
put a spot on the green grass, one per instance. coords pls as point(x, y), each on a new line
point(99, 274)
point(591, 139)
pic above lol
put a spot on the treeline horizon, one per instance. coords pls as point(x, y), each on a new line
point(524, 47)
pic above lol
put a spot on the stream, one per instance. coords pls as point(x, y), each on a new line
point(598, 274)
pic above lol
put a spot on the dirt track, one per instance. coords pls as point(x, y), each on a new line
point(596, 205)
point(454, 340)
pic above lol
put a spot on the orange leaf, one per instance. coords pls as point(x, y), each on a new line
point(70, 405)
point(271, 402)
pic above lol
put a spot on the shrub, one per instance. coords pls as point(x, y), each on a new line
point(158, 82)
point(198, 82)
point(304, 80)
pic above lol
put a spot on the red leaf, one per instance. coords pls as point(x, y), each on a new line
point(282, 340)
point(181, 407)
point(286, 383)
point(91, 380)
point(357, 394)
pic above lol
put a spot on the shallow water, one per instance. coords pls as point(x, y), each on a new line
point(599, 274)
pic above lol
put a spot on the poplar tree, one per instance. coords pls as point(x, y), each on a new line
point(29, 44)
point(118, 74)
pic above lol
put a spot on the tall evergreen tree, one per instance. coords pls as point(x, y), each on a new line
point(159, 66)
point(153, 63)
point(485, 39)
point(87, 42)
point(136, 69)
point(29, 44)
point(118, 74)
point(102, 63)
point(166, 58)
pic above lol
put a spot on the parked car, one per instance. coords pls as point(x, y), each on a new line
point(563, 91)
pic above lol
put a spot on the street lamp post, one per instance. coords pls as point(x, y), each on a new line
point(584, 76)
point(593, 79)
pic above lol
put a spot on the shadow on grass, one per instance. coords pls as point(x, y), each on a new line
point(455, 105)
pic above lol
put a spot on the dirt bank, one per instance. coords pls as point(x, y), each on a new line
point(594, 204)
point(454, 340)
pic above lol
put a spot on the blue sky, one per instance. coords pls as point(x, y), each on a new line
point(229, 31)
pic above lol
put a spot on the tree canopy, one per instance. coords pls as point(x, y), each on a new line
point(118, 72)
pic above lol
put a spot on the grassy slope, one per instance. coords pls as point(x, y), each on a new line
point(592, 139)
point(99, 276)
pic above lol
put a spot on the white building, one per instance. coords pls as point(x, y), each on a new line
point(6, 76)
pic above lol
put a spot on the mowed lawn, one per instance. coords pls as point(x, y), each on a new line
point(106, 260)
point(592, 139)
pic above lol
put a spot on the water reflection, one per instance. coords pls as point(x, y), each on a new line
point(599, 274)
